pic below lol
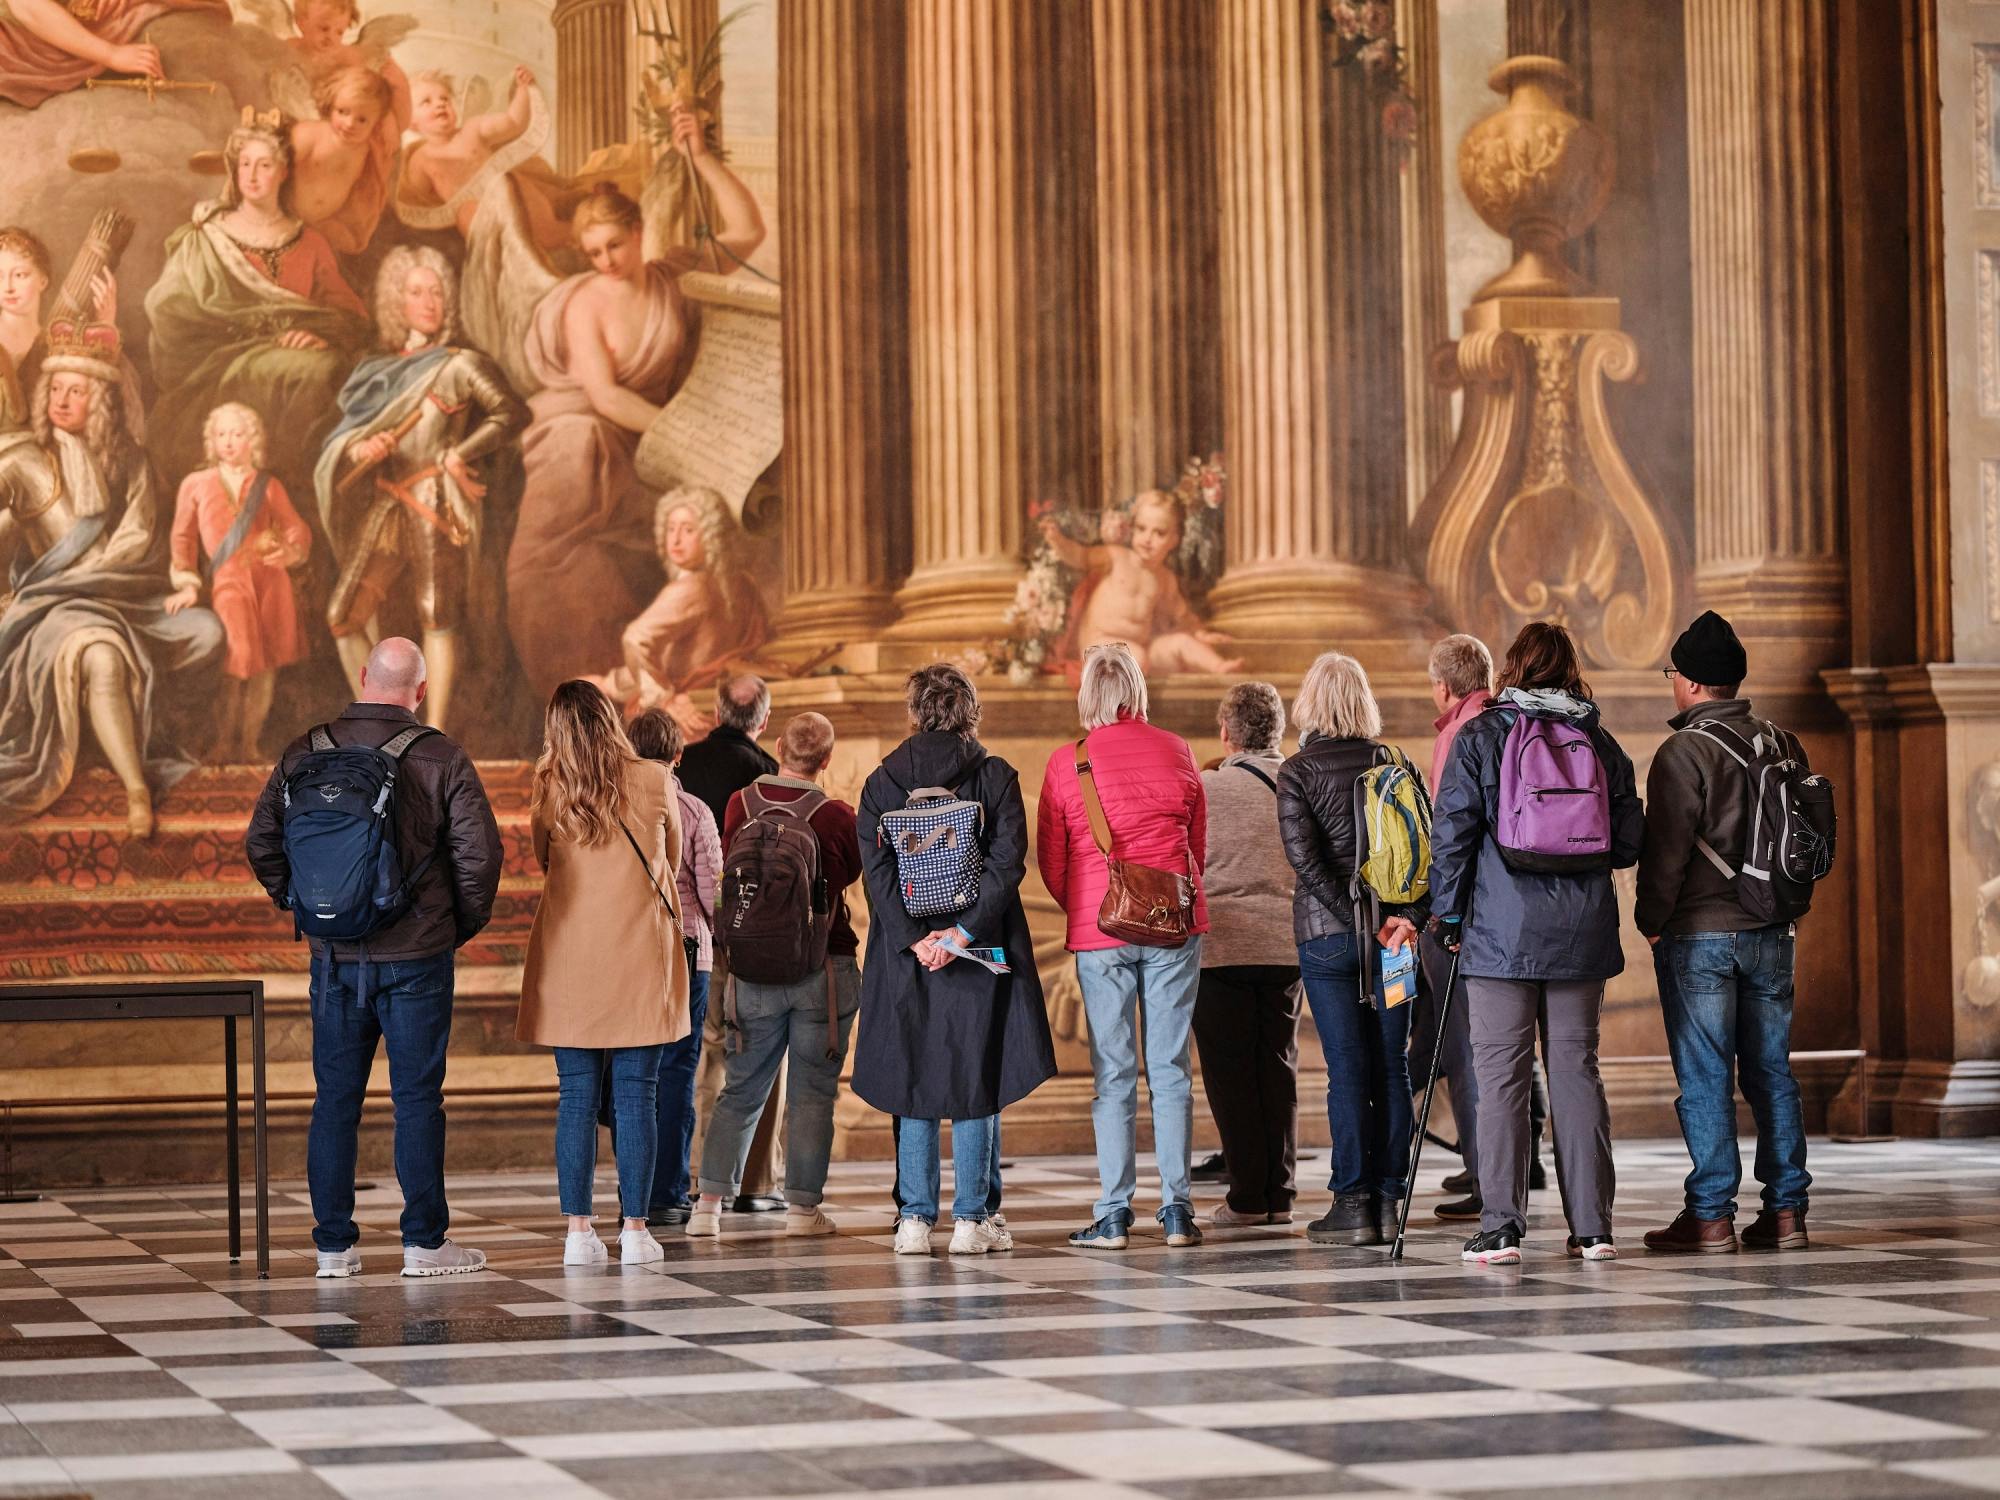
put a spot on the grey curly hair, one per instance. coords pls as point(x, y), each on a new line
point(722, 538)
point(394, 276)
point(942, 700)
point(104, 432)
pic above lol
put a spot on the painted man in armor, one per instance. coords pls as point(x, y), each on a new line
point(87, 633)
point(398, 482)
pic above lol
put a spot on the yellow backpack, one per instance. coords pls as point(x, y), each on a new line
point(1392, 833)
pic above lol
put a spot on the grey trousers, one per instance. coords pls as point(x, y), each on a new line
point(1504, 1014)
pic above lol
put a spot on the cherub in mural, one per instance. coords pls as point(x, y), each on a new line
point(709, 616)
point(236, 512)
point(607, 349)
point(85, 635)
point(251, 306)
point(48, 47)
point(345, 158)
point(453, 152)
point(1130, 593)
point(398, 482)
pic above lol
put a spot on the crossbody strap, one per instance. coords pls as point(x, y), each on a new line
point(1093, 809)
point(1244, 765)
point(651, 879)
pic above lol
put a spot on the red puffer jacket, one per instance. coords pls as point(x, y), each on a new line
point(1153, 799)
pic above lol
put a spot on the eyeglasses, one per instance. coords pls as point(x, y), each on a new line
point(1670, 673)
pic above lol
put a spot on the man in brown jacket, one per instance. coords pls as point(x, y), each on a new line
point(397, 985)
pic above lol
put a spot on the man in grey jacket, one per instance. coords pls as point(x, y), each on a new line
point(1725, 975)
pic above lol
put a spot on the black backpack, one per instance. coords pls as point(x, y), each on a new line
point(1788, 846)
point(775, 912)
point(339, 826)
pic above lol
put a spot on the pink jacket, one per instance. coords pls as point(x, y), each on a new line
point(1154, 802)
point(699, 875)
point(1448, 727)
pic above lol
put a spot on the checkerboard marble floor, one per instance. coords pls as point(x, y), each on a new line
point(136, 1361)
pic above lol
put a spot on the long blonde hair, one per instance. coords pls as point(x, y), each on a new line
point(580, 775)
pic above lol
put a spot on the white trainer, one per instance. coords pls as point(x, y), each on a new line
point(705, 1221)
point(913, 1237)
point(338, 1265)
point(998, 1235)
point(969, 1237)
point(807, 1220)
point(637, 1247)
point(583, 1248)
point(449, 1259)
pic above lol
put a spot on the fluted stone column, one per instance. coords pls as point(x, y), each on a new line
point(593, 102)
point(1768, 550)
point(843, 228)
point(1003, 352)
point(1158, 238)
point(1311, 320)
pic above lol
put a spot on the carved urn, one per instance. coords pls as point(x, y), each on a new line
point(1537, 174)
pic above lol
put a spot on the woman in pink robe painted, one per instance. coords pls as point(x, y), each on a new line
point(608, 348)
point(48, 47)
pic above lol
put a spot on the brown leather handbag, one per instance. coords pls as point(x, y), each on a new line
point(1143, 905)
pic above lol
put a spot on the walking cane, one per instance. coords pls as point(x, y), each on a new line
point(1430, 1093)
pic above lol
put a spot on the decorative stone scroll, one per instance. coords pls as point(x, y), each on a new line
point(1537, 515)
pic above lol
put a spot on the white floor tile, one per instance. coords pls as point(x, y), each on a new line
point(474, 1479)
point(1631, 1466)
point(807, 1355)
point(1852, 1312)
point(35, 1413)
point(1311, 1411)
point(159, 1307)
point(719, 1439)
point(214, 1463)
point(1551, 1372)
point(259, 1340)
point(314, 1427)
point(1355, 1331)
point(1145, 1454)
point(1083, 1366)
point(1799, 1419)
point(996, 1396)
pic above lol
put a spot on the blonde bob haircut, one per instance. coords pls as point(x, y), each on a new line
point(1335, 701)
point(1113, 686)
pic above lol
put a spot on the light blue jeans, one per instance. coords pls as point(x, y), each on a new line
point(975, 1168)
point(1135, 996)
point(776, 1019)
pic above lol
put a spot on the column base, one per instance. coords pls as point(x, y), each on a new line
point(954, 606)
point(1791, 614)
point(1941, 1099)
point(848, 621)
point(1283, 614)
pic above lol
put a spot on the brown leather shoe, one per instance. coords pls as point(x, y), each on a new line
point(1689, 1235)
point(1777, 1229)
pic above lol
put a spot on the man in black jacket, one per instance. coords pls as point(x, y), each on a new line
point(397, 987)
point(714, 769)
point(1725, 975)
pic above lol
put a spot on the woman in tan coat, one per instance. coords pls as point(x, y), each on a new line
point(605, 983)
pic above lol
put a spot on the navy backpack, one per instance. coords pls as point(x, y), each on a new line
point(339, 822)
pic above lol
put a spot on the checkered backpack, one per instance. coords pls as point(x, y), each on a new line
point(935, 836)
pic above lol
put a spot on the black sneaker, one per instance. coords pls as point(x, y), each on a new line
point(1496, 1247)
point(672, 1216)
point(1459, 1182)
point(1592, 1247)
point(1211, 1168)
point(1460, 1210)
point(1352, 1220)
point(1538, 1178)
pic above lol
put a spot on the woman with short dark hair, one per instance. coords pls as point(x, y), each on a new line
point(1539, 805)
point(942, 1036)
point(1246, 1005)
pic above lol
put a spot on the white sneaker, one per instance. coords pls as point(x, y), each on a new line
point(705, 1221)
point(449, 1259)
point(913, 1237)
point(637, 1247)
point(1226, 1217)
point(338, 1265)
point(808, 1220)
point(998, 1236)
point(969, 1237)
point(584, 1248)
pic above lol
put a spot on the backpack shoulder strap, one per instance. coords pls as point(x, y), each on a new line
point(402, 739)
point(1093, 808)
point(320, 737)
point(1259, 773)
point(1741, 751)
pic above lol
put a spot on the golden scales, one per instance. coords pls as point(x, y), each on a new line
point(96, 160)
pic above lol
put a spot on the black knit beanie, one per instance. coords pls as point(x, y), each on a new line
point(1709, 653)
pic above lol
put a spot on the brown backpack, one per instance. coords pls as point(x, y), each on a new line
point(1152, 908)
point(774, 913)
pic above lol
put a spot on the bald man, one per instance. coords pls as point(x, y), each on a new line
point(395, 987)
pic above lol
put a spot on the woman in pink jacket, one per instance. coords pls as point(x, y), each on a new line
point(1153, 801)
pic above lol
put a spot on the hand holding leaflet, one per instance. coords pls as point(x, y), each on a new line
point(993, 960)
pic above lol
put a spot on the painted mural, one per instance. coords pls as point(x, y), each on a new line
point(305, 339)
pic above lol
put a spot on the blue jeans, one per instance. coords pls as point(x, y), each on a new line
point(1727, 997)
point(408, 1007)
point(1367, 1069)
point(1131, 992)
point(678, 1062)
point(633, 1078)
point(975, 1168)
point(782, 1023)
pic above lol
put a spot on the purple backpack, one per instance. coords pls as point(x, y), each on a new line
point(1555, 810)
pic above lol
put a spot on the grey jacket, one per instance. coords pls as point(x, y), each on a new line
point(1248, 878)
point(1695, 790)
